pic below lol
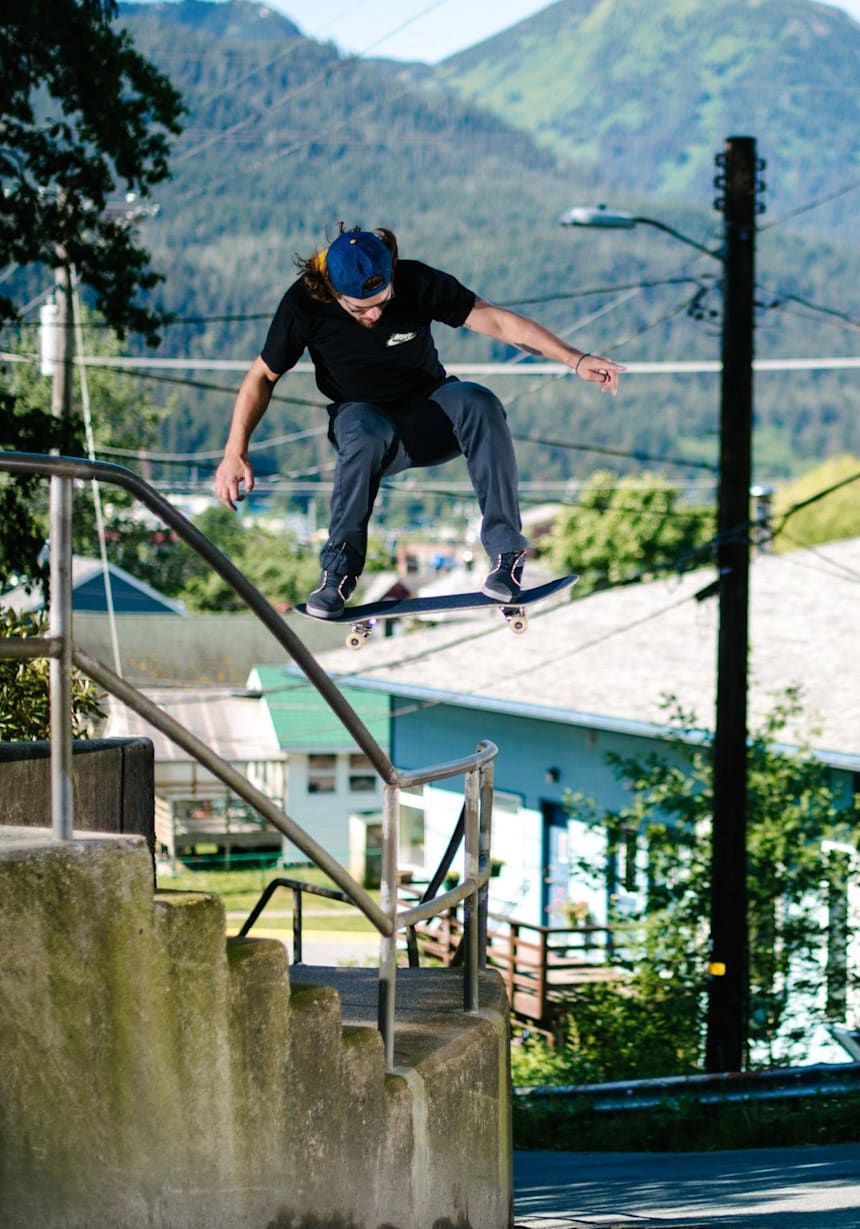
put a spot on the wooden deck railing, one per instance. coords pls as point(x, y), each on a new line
point(541, 965)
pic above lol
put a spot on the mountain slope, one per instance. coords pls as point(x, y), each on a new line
point(285, 137)
point(648, 91)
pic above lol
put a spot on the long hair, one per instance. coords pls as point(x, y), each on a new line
point(313, 268)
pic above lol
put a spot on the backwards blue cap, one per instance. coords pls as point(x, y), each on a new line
point(358, 264)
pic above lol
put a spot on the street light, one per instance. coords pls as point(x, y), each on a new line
point(728, 961)
point(582, 215)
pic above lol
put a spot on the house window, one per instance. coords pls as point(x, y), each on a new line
point(322, 774)
point(362, 778)
point(510, 804)
point(412, 836)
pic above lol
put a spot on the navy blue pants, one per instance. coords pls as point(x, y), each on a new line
point(373, 443)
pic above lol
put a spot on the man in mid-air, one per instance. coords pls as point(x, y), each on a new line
point(364, 316)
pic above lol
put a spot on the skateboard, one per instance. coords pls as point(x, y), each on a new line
point(363, 618)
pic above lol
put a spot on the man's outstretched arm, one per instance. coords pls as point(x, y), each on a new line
point(526, 334)
point(252, 401)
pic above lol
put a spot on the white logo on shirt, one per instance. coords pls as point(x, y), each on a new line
point(397, 339)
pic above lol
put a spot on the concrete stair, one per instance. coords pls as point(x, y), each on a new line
point(157, 1076)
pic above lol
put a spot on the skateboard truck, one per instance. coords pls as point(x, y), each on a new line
point(359, 633)
point(515, 617)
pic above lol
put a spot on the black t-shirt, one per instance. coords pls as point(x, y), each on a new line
point(394, 362)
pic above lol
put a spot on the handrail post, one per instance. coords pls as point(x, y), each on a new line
point(470, 904)
point(542, 971)
point(513, 957)
point(60, 670)
point(388, 905)
point(297, 926)
point(484, 838)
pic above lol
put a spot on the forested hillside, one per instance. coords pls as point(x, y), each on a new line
point(284, 137)
point(647, 91)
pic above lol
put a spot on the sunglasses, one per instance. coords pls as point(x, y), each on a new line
point(362, 311)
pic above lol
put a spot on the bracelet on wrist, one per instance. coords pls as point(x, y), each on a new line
point(579, 360)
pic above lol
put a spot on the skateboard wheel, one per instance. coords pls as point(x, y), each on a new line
point(354, 640)
point(519, 624)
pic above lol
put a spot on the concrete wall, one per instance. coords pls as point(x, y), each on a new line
point(156, 1076)
point(112, 779)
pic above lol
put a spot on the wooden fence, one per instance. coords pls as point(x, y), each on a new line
point(541, 965)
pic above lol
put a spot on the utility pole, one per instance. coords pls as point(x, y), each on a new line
point(728, 967)
point(61, 387)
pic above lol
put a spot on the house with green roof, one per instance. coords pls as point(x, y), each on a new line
point(332, 787)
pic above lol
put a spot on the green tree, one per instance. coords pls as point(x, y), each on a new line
point(22, 532)
point(821, 506)
point(83, 118)
point(625, 529)
point(123, 417)
point(792, 810)
point(283, 571)
point(25, 702)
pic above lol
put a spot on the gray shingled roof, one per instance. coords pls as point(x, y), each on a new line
point(237, 728)
point(610, 658)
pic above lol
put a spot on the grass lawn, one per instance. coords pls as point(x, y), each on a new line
point(241, 889)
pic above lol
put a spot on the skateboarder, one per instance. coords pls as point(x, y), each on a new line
point(365, 318)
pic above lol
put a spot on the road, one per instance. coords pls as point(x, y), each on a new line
point(768, 1188)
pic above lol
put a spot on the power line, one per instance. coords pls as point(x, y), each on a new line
point(555, 297)
point(668, 367)
point(131, 365)
point(840, 319)
point(614, 452)
point(138, 374)
point(146, 454)
point(334, 68)
point(815, 204)
point(500, 369)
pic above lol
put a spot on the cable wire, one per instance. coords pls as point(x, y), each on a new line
point(840, 319)
point(815, 204)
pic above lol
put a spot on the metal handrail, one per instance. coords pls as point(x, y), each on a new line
point(118, 475)
point(59, 647)
point(298, 887)
point(708, 1089)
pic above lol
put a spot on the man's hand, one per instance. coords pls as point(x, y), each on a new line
point(234, 471)
point(596, 370)
point(252, 401)
point(532, 338)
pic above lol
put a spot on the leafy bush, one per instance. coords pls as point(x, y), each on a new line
point(25, 702)
point(636, 1029)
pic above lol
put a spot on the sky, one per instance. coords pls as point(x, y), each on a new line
point(427, 30)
